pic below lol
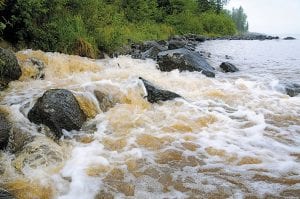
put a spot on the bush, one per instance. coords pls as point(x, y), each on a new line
point(217, 25)
point(185, 22)
point(84, 27)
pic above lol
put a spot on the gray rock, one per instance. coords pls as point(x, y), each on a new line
point(5, 194)
point(5, 129)
point(228, 67)
point(152, 52)
point(147, 50)
point(175, 44)
point(184, 60)
point(9, 68)
point(58, 109)
point(155, 94)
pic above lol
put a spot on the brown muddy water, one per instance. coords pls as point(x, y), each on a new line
point(233, 136)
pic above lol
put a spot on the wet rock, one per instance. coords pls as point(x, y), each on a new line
point(152, 52)
point(175, 44)
point(33, 68)
point(228, 67)
point(149, 44)
point(58, 109)
point(5, 194)
point(42, 152)
point(147, 50)
point(155, 94)
point(18, 138)
point(184, 60)
point(9, 68)
point(40, 66)
point(292, 89)
point(105, 101)
point(248, 36)
point(5, 129)
point(289, 38)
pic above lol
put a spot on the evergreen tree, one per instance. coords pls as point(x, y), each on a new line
point(240, 19)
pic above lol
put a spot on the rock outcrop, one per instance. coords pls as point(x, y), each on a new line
point(154, 94)
point(58, 109)
point(184, 60)
point(9, 68)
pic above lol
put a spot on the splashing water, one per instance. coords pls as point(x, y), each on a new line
point(229, 136)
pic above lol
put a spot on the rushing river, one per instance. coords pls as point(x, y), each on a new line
point(233, 136)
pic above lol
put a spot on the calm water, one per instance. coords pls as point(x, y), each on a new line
point(265, 61)
point(233, 136)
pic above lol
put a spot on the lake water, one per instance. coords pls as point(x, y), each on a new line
point(233, 136)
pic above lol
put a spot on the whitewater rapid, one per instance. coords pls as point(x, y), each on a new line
point(227, 137)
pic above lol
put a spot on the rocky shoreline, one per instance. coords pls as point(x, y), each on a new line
point(58, 109)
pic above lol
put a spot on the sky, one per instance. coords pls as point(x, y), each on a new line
point(271, 16)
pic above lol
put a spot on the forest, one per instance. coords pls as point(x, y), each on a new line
point(88, 27)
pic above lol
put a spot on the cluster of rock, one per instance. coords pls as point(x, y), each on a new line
point(248, 36)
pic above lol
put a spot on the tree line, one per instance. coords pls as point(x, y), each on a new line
point(87, 27)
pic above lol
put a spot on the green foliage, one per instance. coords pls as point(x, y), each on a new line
point(85, 27)
point(217, 25)
point(186, 22)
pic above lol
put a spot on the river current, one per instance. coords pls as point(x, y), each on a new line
point(233, 136)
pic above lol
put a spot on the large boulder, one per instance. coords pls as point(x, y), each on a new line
point(58, 109)
point(184, 60)
point(155, 94)
point(228, 67)
point(5, 194)
point(9, 67)
point(5, 129)
point(292, 89)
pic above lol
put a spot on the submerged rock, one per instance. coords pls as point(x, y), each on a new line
point(42, 152)
point(292, 89)
point(5, 194)
point(18, 138)
point(228, 67)
point(5, 129)
point(105, 101)
point(58, 109)
point(289, 38)
point(155, 94)
point(184, 60)
point(9, 67)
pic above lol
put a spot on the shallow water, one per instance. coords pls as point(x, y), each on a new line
point(236, 135)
